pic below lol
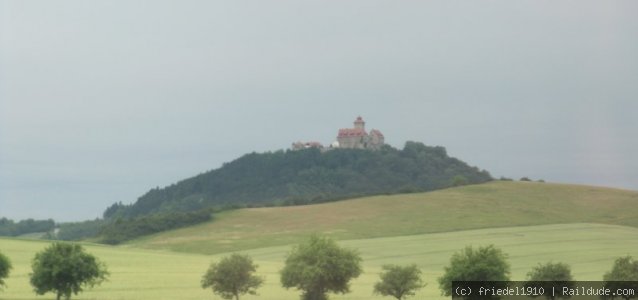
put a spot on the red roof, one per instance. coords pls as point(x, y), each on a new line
point(349, 132)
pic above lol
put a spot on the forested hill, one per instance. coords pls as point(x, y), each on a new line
point(309, 176)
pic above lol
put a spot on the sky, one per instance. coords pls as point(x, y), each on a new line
point(101, 101)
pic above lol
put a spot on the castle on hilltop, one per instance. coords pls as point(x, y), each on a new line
point(358, 138)
point(350, 138)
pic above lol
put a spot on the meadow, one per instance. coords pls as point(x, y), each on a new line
point(155, 274)
point(489, 205)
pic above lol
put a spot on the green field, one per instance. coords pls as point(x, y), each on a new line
point(150, 274)
point(586, 227)
point(494, 204)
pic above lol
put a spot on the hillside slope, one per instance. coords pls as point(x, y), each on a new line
point(494, 204)
point(308, 176)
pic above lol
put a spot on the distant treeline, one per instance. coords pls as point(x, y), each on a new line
point(110, 231)
point(308, 176)
point(122, 230)
point(75, 231)
point(10, 228)
point(118, 230)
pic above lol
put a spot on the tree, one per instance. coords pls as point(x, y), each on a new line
point(459, 180)
point(623, 275)
point(398, 281)
point(320, 266)
point(482, 264)
point(5, 267)
point(548, 276)
point(66, 269)
point(232, 276)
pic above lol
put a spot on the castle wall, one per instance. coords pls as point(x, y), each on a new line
point(351, 142)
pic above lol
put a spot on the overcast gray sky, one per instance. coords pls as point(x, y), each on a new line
point(101, 101)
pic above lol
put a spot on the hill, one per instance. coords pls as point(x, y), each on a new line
point(494, 204)
point(306, 176)
point(147, 274)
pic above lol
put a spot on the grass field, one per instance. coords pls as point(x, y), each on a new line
point(153, 274)
point(495, 204)
point(586, 227)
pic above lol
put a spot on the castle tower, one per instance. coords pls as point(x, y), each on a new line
point(359, 123)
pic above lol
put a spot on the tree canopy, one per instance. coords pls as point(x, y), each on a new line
point(308, 176)
point(486, 263)
point(65, 269)
point(399, 281)
point(549, 276)
point(319, 266)
point(623, 275)
point(232, 276)
point(10, 228)
point(5, 268)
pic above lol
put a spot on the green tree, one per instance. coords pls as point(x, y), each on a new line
point(66, 269)
point(232, 276)
point(459, 180)
point(551, 275)
point(623, 275)
point(320, 266)
point(399, 282)
point(5, 267)
point(482, 264)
